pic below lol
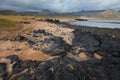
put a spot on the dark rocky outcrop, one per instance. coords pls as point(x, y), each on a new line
point(18, 49)
point(63, 68)
point(2, 71)
point(42, 32)
point(81, 19)
point(56, 46)
point(85, 41)
point(103, 42)
point(25, 22)
point(24, 39)
point(52, 20)
point(20, 38)
point(108, 43)
point(13, 58)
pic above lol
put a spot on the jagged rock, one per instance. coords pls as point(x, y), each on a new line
point(24, 22)
point(52, 21)
point(2, 67)
point(64, 68)
point(30, 42)
point(18, 49)
point(56, 46)
point(2, 71)
point(13, 58)
point(41, 32)
point(34, 35)
point(85, 41)
point(20, 38)
point(112, 60)
point(110, 45)
point(23, 76)
point(115, 54)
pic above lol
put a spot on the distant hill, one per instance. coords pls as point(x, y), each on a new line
point(27, 13)
point(30, 13)
point(49, 13)
point(102, 14)
point(108, 14)
point(9, 12)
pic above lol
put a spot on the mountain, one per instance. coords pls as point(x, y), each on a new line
point(9, 12)
point(102, 14)
point(110, 13)
point(29, 13)
point(107, 14)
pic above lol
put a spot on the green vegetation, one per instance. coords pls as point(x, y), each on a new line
point(11, 22)
point(7, 23)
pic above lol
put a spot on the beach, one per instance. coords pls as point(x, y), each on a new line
point(57, 50)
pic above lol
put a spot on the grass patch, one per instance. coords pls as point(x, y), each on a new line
point(6, 23)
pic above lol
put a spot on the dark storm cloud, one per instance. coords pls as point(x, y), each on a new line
point(59, 5)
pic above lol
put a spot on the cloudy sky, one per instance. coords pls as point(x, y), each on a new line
point(59, 5)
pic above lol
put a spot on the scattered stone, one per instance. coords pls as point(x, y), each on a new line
point(29, 34)
point(30, 42)
point(18, 49)
point(41, 32)
point(20, 38)
point(52, 21)
point(8, 49)
point(24, 22)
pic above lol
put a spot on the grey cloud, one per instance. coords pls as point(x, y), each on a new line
point(59, 5)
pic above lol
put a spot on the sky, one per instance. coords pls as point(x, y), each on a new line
point(59, 5)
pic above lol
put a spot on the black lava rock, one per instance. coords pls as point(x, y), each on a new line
point(56, 46)
point(2, 67)
point(18, 49)
point(13, 58)
point(20, 38)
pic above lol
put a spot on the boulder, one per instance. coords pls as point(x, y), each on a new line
point(17, 49)
point(20, 38)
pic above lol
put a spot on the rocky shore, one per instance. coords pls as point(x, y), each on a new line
point(71, 53)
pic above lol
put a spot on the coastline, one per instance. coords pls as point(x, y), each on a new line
point(54, 49)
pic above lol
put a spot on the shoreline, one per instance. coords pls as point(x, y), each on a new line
point(58, 50)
